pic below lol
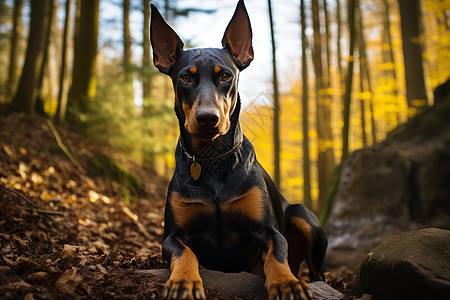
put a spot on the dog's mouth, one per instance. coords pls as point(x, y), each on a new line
point(207, 135)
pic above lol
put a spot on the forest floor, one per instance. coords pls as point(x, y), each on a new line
point(66, 234)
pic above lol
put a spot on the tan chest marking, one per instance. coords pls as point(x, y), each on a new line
point(249, 204)
point(184, 209)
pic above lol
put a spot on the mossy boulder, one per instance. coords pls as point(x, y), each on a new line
point(103, 165)
point(413, 265)
point(399, 185)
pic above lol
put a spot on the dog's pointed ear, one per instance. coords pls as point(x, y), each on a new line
point(165, 42)
point(238, 36)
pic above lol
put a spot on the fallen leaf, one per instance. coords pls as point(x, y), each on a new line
point(46, 196)
point(29, 296)
point(69, 253)
point(71, 199)
point(38, 276)
point(8, 151)
point(102, 269)
point(36, 178)
point(23, 170)
point(69, 281)
point(106, 200)
point(93, 196)
point(19, 285)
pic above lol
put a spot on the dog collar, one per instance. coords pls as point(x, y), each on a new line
point(196, 168)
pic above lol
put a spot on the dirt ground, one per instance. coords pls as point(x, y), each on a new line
point(65, 234)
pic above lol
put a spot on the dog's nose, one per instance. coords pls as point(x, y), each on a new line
point(207, 117)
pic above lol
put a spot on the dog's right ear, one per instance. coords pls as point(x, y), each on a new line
point(165, 42)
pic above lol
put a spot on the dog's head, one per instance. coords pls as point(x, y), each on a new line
point(204, 80)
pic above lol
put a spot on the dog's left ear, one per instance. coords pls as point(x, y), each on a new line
point(165, 42)
point(238, 36)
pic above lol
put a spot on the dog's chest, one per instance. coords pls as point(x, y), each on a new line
point(223, 236)
point(248, 206)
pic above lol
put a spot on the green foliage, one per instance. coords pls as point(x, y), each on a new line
point(112, 118)
point(77, 114)
point(157, 114)
point(103, 165)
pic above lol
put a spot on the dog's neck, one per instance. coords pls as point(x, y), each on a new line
point(216, 148)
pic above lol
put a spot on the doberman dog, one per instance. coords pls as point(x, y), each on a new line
point(223, 211)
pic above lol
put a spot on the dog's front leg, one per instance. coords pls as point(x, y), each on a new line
point(184, 281)
point(280, 282)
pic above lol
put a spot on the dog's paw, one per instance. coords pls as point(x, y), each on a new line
point(183, 289)
point(292, 289)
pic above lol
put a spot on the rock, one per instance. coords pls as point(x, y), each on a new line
point(368, 210)
point(238, 285)
point(398, 185)
point(413, 265)
point(323, 291)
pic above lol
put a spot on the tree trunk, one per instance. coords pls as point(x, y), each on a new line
point(389, 48)
point(84, 83)
point(305, 112)
point(412, 55)
point(146, 68)
point(366, 83)
point(338, 46)
point(325, 139)
point(276, 103)
point(352, 4)
point(45, 68)
point(362, 91)
point(146, 78)
point(127, 42)
point(327, 44)
point(13, 56)
point(62, 94)
point(388, 59)
point(28, 88)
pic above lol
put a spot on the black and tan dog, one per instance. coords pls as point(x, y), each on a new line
point(223, 211)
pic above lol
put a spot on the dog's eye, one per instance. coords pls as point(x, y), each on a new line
point(225, 76)
point(186, 78)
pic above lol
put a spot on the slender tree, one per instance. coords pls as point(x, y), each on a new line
point(325, 138)
point(305, 112)
point(276, 103)
point(127, 64)
point(338, 46)
point(390, 75)
point(146, 68)
point(362, 85)
point(388, 49)
point(412, 55)
point(62, 93)
point(84, 84)
point(28, 89)
point(352, 6)
point(327, 43)
point(14, 52)
point(366, 82)
point(45, 67)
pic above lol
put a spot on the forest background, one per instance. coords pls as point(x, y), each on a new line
point(329, 76)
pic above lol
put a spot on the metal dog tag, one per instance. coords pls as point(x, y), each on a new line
point(196, 170)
